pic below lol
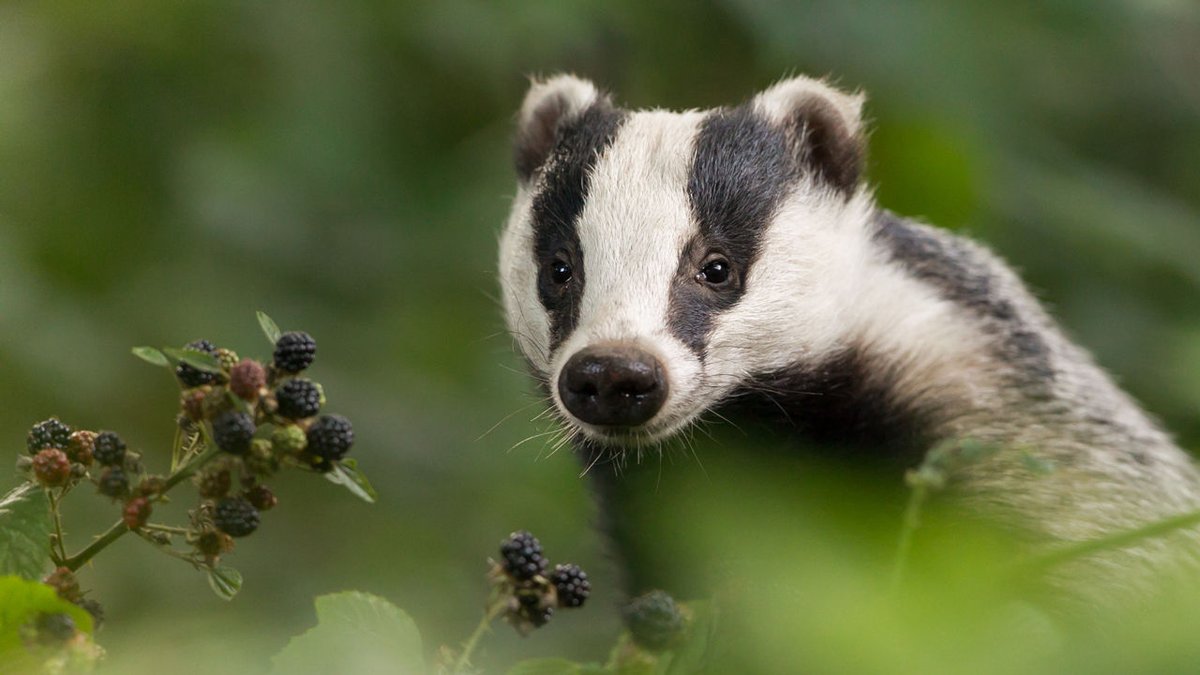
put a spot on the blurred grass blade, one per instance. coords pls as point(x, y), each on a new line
point(152, 356)
point(225, 581)
point(269, 327)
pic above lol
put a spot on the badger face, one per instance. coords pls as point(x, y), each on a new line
point(654, 262)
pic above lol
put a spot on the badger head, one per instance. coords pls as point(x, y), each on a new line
point(655, 262)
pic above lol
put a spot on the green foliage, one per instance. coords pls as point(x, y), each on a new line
point(347, 474)
point(22, 602)
point(355, 633)
point(225, 581)
point(198, 360)
point(24, 532)
point(269, 328)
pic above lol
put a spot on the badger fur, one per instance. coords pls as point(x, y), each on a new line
point(659, 265)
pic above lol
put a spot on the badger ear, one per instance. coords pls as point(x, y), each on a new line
point(548, 104)
point(825, 126)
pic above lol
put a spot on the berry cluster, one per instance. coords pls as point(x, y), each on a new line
point(529, 592)
point(240, 422)
point(654, 620)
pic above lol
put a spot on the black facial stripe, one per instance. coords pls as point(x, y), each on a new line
point(952, 268)
point(557, 206)
point(741, 169)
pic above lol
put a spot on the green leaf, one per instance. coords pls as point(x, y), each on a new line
point(198, 360)
point(225, 581)
point(355, 633)
point(545, 667)
point(269, 327)
point(152, 356)
point(24, 532)
point(23, 601)
point(346, 473)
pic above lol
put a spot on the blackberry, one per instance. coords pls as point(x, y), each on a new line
point(113, 482)
point(246, 378)
point(572, 585)
point(235, 517)
point(94, 608)
point(654, 620)
point(522, 554)
point(233, 432)
point(260, 461)
point(81, 446)
point(109, 449)
point(531, 610)
point(329, 439)
point(51, 467)
point(261, 497)
point(55, 628)
point(194, 377)
point(298, 398)
point(136, 512)
point(294, 351)
point(48, 434)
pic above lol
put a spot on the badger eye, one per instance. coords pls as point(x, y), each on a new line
point(560, 271)
point(715, 272)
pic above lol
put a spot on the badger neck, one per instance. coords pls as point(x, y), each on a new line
point(939, 338)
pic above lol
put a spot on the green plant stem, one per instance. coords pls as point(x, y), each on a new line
point(912, 520)
point(495, 608)
point(1116, 540)
point(61, 554)
point(118, 528)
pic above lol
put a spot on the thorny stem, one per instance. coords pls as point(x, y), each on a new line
point(118, 528)
point(496, 607)
point(61, 554)
point(167, 549)
point(170, 529)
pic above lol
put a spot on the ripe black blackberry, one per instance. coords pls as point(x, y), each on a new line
point(235, 516)
point(113, 482)
point(298, 398)
point(329, 439)
point(654, 620)
point(48, 434)
point(531, 610)
point(572, 585)
point(194, 377)
point(294, 351)
point(108, 449)
point(233, 431)
point(522, 554)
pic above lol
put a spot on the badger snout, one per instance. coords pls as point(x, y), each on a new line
point(616, 385)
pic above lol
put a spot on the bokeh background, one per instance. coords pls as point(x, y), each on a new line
point(168, 168)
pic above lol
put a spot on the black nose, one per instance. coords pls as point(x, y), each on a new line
point(613, 385)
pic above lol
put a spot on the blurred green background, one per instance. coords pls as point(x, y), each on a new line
point(167, 168)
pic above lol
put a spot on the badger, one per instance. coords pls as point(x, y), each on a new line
point(657, 266)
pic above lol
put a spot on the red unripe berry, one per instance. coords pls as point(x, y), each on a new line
point(136, 513)
point(51, 467)
point(246, 378)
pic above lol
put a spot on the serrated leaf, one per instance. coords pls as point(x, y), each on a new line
point(545, 667)
point(198, 360)
point(152, 356)
point(347, 474)
point(355, 633)
point(269, 327)
point(225, 581)
point(24, 532)
point(23, 601)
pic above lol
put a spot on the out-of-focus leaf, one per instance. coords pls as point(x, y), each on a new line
point(269, 327)
point(24, 532)
point(355, 633)
point(22, 602)
point(225, 581)
point(198, 360)
point(152, 356)
point(545, 667)
point(346, 473)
